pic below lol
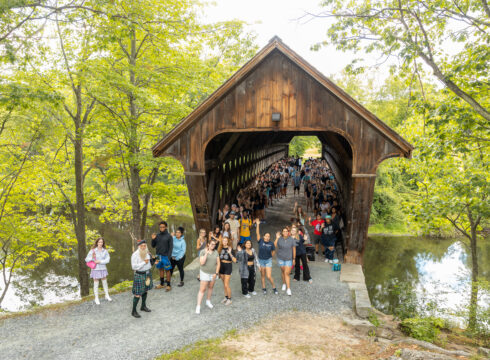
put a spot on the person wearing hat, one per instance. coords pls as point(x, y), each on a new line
point(141, 262)
point(234, 228)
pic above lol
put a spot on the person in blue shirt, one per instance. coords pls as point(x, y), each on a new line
point(266, 252)
point(178, 254)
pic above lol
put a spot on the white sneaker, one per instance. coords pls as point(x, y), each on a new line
point(326, 260)
point(96, 300)
point(253, 293)
point(283, 287)
point(198, 309)
point(288, 292)
point(310, 281)
point(209, 305)
point(247, 296)
point(108, 298)
point(330, 261)
point(224, 300)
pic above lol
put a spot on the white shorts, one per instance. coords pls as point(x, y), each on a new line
point(205, 276)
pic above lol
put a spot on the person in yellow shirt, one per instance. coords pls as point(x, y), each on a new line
point(245, 225)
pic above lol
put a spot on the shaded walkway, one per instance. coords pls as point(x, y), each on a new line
point(109, 331)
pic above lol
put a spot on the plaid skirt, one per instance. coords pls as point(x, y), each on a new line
point(139, 286)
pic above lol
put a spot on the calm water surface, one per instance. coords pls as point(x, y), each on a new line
point(435, 273)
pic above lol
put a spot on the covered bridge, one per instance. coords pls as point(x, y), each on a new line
point(247, 124)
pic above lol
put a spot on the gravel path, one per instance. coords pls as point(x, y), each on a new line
point(108, 331)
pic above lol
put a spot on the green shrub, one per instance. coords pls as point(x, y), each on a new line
point(373, 319)
point(422, 328)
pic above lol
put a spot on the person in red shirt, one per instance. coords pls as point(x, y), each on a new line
point(317, 230)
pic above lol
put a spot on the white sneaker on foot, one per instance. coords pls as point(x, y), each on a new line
point(283, 287)
point(198, 309)
point(330, 261)
point(247, 296)
point(228, 302)
point(96, 300)
point(253, 293)
point(288, 292)
point(310, 281)
point(108, 298)
point(326, 260)
point(224, 300)
point(209, 305)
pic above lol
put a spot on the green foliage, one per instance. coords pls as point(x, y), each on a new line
point(373, 319)
point(299, 145)
point(425, 328)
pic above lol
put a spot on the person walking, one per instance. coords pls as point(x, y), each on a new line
point(209, 270)
point(286, 255)
point(266, 252)
point(226, 260)
point(300, 256)
point(178, 254)
point(99, 254)
point(163, 243)
point(141, 262)
point(247, 259)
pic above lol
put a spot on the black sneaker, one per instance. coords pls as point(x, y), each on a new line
point(145, 309)
point(275, 291)
point(135, 314)
point(264, 291)
point(181, 284)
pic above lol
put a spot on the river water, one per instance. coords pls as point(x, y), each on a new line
point(427, 269)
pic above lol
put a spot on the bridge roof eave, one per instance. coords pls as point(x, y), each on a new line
point(276, 44)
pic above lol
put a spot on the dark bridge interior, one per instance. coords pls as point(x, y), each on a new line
point(232, 160)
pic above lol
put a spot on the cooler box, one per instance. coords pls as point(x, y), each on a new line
point(310, 252)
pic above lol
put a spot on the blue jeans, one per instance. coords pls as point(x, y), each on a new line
point(265, 263)
point(282, 263)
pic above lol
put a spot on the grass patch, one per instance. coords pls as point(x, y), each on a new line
point(390, 229)
point(206, 349)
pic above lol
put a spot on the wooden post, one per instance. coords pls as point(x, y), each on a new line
point(196, 183)
point(362, 190)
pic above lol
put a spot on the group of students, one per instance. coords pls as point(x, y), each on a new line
point(230, 241)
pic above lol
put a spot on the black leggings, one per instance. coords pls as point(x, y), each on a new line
point(249, 284)
point(306, 269)
point(180, 265)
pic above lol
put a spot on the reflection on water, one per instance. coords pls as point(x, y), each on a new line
point(435, 273)
point(56, 281)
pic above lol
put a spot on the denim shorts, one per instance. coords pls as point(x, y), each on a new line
point(243, 239)
point(282, 263)
point(265, 263)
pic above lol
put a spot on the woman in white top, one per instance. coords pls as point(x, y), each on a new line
point(99, 254)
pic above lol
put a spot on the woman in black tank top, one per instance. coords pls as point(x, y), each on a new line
point(226, 259)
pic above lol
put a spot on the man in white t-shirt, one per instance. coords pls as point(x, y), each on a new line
point(235, 229)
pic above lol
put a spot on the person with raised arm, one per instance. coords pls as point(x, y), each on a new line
point(266, 252)
point(208, 271)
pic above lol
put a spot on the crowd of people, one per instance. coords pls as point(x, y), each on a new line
point(230, 243)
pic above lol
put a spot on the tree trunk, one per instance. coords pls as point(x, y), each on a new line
point(79, 222)
point(472, 316)
point(134, 169)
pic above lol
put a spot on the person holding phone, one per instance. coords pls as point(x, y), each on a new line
point(209, 270)
point(248, 267)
